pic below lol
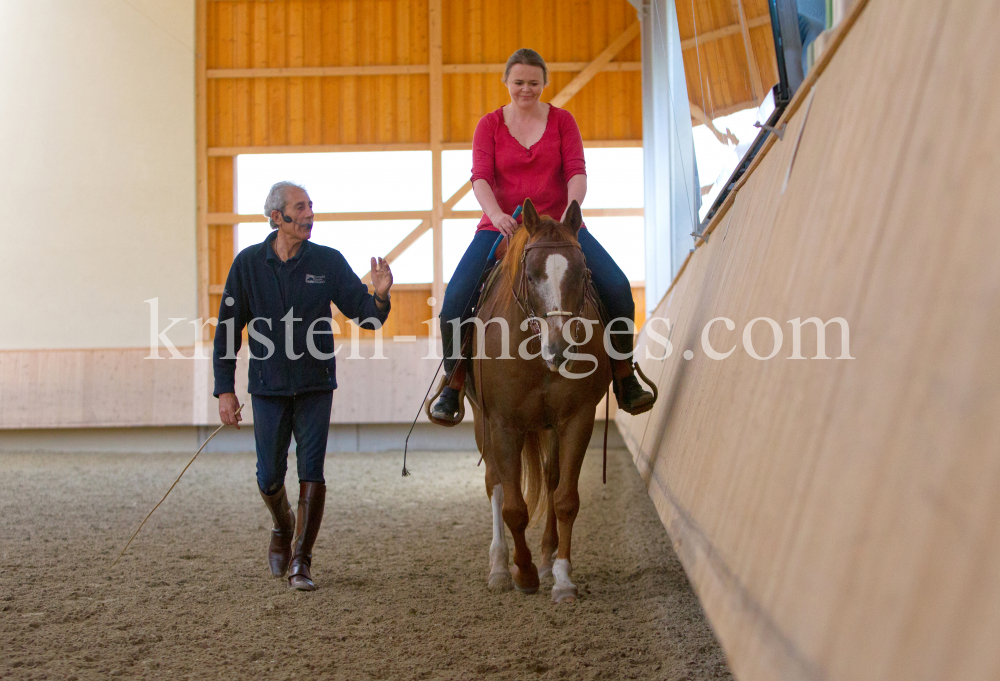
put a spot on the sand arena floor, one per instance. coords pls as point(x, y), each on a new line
point(401, 565)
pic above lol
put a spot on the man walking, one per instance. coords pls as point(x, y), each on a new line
point(281, 290)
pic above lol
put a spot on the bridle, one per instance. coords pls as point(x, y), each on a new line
point(520, 289)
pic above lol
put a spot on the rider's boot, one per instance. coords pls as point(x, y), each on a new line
point(312, 499)
point(283, 527)
point(448, 406)
point(631, 396)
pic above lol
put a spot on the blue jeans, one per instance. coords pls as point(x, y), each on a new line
point(612, 285)
point(275, 418)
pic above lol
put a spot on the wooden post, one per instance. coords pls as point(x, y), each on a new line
point(201, 154)
point(436, 92)
point(758, 87)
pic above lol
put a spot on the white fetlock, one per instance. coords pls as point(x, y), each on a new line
point(564, 591)
point(500, 578)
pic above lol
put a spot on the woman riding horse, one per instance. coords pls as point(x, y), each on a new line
point(529, 149)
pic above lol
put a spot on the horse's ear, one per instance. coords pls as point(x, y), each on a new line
point(529, 218)
point(574, 217)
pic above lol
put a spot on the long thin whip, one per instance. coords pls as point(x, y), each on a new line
point(172, 487)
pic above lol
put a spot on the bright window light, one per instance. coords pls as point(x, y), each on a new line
point(342, 182)
point(458, 235)
point(358, 241)
point(717, 161)
point(614, 178)
point(623, 239)
point(401, 180)
point(456, 170)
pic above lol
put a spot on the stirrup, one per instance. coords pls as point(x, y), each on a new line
point(642, 408)
point(433, 398)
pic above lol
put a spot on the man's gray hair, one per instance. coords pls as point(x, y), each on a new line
point(276, 199)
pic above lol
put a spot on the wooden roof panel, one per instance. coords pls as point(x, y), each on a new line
point(394, 109)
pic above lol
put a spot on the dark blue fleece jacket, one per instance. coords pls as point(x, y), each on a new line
point(267, 294)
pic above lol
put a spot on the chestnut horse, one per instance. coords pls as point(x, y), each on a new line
point(534, 416)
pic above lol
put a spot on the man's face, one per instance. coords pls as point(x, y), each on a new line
point(299, 208)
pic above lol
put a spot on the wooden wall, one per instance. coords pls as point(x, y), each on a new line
point(838, 518)
point(273, 111)
point(329, 75)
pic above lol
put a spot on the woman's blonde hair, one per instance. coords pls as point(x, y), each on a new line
point(528, 57)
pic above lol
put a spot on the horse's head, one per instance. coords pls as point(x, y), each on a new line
point(554, 280)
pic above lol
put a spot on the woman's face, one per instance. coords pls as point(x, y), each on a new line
point(525, 84)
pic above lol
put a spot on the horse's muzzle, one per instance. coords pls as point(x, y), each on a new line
point(554, 358)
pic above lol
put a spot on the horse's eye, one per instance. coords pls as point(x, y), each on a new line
point(530, 280)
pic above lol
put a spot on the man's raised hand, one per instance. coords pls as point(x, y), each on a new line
point(381, 277)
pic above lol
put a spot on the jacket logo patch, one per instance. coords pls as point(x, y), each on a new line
point(315, 278)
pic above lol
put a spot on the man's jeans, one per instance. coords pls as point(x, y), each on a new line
point(275, 419)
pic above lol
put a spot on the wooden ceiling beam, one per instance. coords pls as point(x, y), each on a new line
point(404, 69)
point(553, 67)
point(238, 218)
point(594, 67)
point(758, 87)
point(732, 29)
point(320, 71)
point(317, 148)
point(389, 146)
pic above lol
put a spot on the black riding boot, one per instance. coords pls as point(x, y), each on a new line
point(312, 500)
point(631, 396)
point(448, 405)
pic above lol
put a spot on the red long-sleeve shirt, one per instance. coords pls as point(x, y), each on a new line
point(539, 173)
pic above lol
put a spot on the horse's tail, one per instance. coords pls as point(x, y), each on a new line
point(533, 480)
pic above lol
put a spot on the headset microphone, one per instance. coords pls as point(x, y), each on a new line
point(285, 218)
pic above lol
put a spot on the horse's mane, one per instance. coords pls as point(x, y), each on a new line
point(510, 267)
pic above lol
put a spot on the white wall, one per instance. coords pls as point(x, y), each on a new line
point(97, 146)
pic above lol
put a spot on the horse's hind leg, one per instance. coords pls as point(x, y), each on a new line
point(500, 579)
point(573, 440)
point(550, 538)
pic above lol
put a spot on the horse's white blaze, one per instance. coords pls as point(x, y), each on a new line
point(551, 289)
point(561, 570)
point(498, 549)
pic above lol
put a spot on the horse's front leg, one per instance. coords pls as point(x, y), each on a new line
point(574, 437)
point(550, 538)
point(505, 445)
point(500, 579)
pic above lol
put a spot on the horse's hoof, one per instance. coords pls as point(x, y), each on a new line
point(564, 595)
point(501, 581)
point(526, 583)
point(544, 571)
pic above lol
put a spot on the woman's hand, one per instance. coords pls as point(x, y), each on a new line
point(505, 223)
